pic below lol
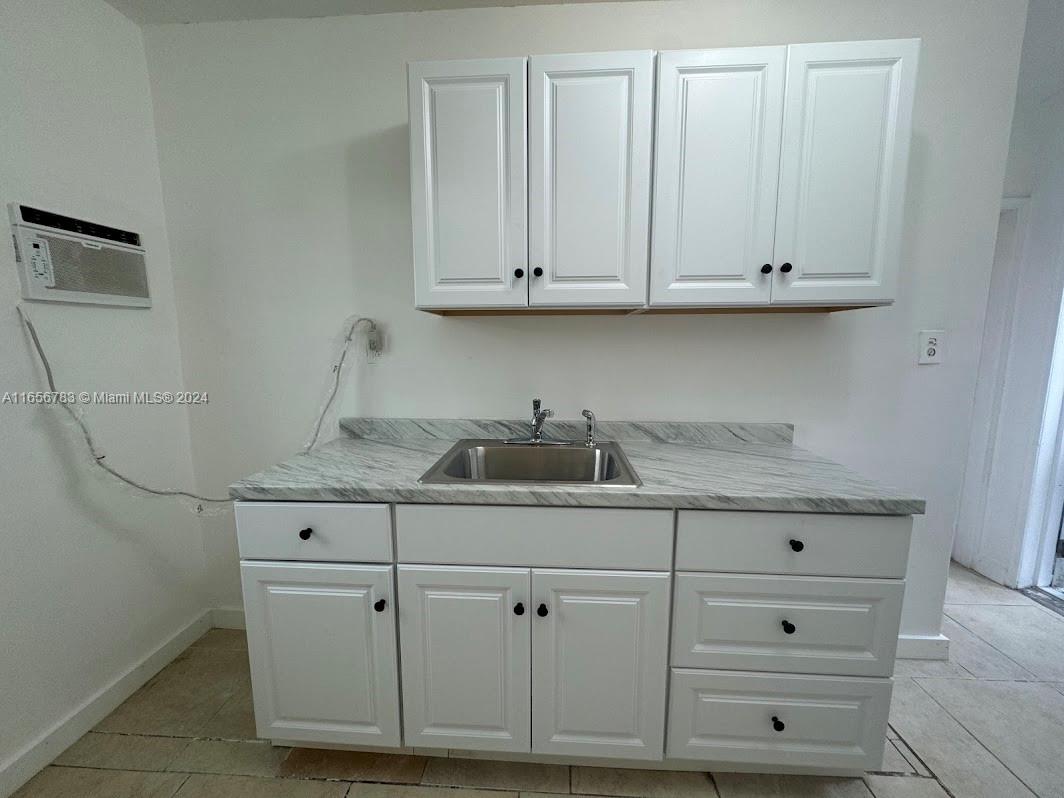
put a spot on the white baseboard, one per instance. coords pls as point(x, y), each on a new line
point(24, 764)
point(923, 647)
point(228, 618)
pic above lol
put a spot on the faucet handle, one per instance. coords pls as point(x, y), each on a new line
point(590, 441)
point(536, 403)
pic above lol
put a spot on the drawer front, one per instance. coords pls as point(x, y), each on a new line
point(820, 721)
point(559, 537)
point(801, 624)
point(793, 543)
point(338, 532)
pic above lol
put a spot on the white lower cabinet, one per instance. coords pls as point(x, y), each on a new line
point(321, 640)
point(599, 663)
point(552, 661)
point(464, 634)
point(778, 719)
point(512, 642)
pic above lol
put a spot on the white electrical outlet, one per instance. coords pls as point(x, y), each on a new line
point(931, 343)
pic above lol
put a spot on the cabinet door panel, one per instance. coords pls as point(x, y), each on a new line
point(599, 663)
point(718, 136)
point(323, 661)
point(846, 129)
point(468, 182)
point(589, 151)
point(466, 658)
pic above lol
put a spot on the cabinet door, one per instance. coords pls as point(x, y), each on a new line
point(589, 192)
point(718, 137)
point(846, 127)
point(599, 663)
point(323, 659)
point(466, 658)
point(468, 183)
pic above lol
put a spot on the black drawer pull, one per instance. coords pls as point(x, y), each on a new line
point(777, 724)
point(789, 628)
point(379, 605)
point(304, 534)
point(797, 545)
point(541, 610)
point(519, 608)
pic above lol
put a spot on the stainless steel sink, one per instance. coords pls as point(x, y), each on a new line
point(471, 460)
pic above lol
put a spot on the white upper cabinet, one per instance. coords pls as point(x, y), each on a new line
point(778, 177)
point(718, 142)
point(468, 183)
point(589, 185)
point(846, 127)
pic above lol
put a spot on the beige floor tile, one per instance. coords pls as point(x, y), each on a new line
point(60, 782)
point(891, 733)
point(236, 718)
point(1030, 636)
point(939, 668)
point(956, 758)
point(555, 795)
point(200, 786)
point(894, 761)
point(496, 775)
point(641, 783)
point(184, 696)
point(977, 657)
point(230, 758)
point(905, 787)
point(1021, 723)
point(230, 639)
point(757, 785)
point(410, 791)
point(968, 587)
point(122, 752)
point(317, 763)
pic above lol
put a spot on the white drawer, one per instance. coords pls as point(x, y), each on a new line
point(559, 537)
point(337, 532)
point(793, 543)
point(802, 624)
point(823, 721)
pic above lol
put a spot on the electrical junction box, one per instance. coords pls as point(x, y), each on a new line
point(63, 259)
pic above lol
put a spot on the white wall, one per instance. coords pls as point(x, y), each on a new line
point(1005, 490)
point(91, 578)
point(284, 156)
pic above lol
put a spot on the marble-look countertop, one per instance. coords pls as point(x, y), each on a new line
point(712, 466)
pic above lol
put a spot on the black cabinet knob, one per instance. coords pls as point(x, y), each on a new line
point(519, 608)
point(304, 534)
point(786, 267)
point(519, 273)
point(777, 724)
point(541, 610)
point(789, 628)
point(796, 545)
point(538, 271)
point(379, 605)
point(766, 269)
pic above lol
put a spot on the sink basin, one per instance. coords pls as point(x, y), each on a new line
point(486, 461)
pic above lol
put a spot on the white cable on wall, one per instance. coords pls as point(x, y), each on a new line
point(98, 456)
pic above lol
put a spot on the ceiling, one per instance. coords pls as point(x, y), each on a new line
point(162, 11)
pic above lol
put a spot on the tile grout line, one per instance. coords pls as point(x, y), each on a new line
point(974, 737)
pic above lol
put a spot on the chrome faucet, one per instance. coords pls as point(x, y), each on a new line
point(589, 442)
point(535, 436)
point(538, 417)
